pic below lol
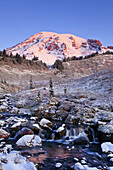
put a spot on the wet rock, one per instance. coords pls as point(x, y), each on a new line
point(81, 139)
point(35, 128)
point(105, 133)
point(60, 132)
point(4, 134)
point(29, 141)
point(45, 123)
point(22, 132)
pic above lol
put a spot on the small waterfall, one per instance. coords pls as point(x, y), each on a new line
point(73, 132)
point(94, 139)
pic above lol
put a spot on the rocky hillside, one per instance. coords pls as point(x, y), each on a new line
point(13, 73)
point(49, 46)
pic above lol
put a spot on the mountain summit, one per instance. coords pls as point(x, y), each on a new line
point(49, 46)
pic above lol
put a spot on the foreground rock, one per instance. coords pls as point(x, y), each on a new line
point(60, 132)
point(81, 139)
point(106, 133)
point(45, 123)
point(29, 141)
point(14, 161)
point(107, 147)
point(4, 134)
point(22, 132)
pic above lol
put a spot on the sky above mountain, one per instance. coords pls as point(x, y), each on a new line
point(87, 19)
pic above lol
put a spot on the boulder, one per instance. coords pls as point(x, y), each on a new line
point(45, 123)
point(81, 139)
point(22, 132)
point(35, 128)
point(29, 141)
point(4, 134)
point(105, 133)
point(107, 147)
point(60, 132)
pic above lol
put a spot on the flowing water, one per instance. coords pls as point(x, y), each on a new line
point(63, 150)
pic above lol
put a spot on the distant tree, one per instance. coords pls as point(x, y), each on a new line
point(4, 53)
point(35, 58)
point(73, 58)
point(18, 58)
point(51, 87)
point(38, 98)
point(24, 57)
point(11, 55)
point(65, 90)
point(31, 82)
point(0, 53)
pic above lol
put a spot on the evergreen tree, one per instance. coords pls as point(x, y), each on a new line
point(65, 90)
point(31, 82)
point(51, 87)
point(4, 53)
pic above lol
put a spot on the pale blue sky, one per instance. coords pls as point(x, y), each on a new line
point(85, 18)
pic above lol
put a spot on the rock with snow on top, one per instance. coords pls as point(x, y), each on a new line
point(45, 123)
point(60, 132)
point(16, 125)
point(29, 141)
point(16, 161)
point(58, 165)
point(78, 166)
point(111, 160)
point(110, 168)
point(107, 147)
point(2, 122)
point(110, 156)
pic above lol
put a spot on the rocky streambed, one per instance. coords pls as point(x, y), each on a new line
point(71, 131)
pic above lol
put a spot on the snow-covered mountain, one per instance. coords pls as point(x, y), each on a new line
point(49, 46)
